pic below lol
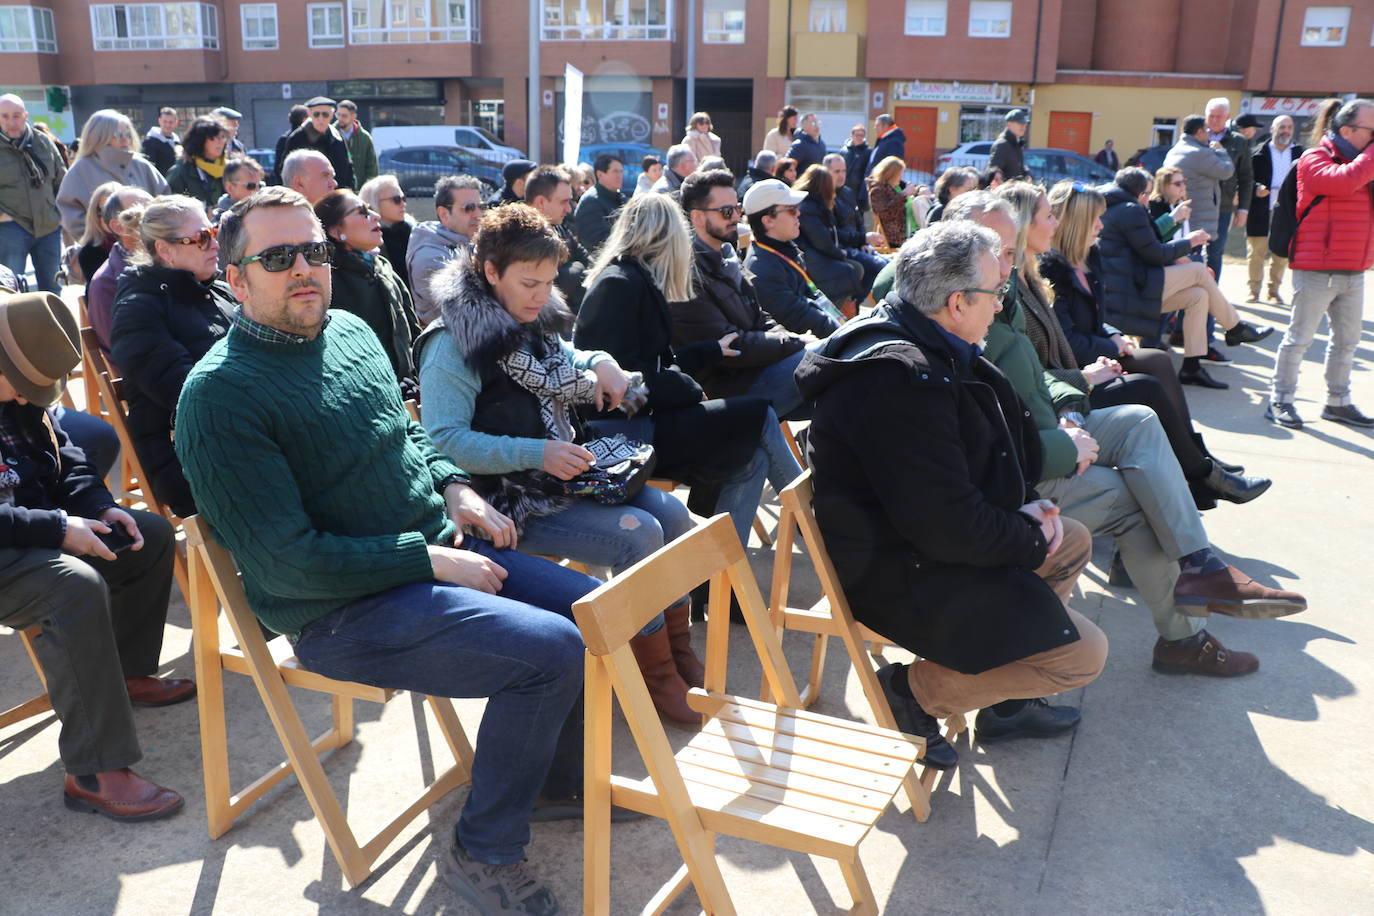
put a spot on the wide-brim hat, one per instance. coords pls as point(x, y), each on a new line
point(39, 344)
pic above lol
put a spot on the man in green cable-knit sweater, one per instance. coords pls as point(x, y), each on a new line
point(347, 524)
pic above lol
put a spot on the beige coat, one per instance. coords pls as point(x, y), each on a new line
point(90, 172)
point(702, 144)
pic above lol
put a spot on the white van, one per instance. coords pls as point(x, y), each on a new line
point(465, 135)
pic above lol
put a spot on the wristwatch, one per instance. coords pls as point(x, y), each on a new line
point(1074, 417)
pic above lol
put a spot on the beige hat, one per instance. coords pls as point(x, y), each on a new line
point(39, 345)
point(770, 193)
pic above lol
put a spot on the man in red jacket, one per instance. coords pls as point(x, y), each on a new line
point(1332, 248)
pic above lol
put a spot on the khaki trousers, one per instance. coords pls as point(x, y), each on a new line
point(1257, 247)
point(1190, 287)
point(944, 692)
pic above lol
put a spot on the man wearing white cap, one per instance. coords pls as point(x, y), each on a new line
point(94, 576)
point(775, 263)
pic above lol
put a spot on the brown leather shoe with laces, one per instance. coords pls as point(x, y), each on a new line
point(121, 795)
point(159, 691)
point(1211, 659)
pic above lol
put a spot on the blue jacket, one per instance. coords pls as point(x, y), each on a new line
point(806, 151)
point(783, 291)
point(893, 143)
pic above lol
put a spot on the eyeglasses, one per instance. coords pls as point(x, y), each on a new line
point(250, 185)
point(395, 199)
point(469, 208)
point(361, 210)
point(201, 239)
point(999, 292)
point(784, 208)
point(316, 115)
point(726, 211)
point(275, 260)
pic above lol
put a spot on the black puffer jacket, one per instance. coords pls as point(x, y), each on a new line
point(1079, 309)
point(783, 291)
point(164, 321)
point(725, 302)
point(921, 461)
point(1133, 262)
point(837, 276)
point(849, 222)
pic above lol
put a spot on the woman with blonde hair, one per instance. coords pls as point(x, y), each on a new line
point(699, 137)
point(889, 200)
point(384, 196)
point(108, 152)
point(723, 447)
point(97, 237)
point(1073, 270)
point(1169, 206)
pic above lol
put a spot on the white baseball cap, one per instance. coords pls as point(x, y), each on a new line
point(770, 193)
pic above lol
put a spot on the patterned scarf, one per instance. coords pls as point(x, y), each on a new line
point(33, 169)
point(553, 380)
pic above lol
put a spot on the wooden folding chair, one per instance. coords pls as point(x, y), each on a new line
point(771, 773)
point(215, 584)
point(135, 479)
point(667, 486)
point(831, 617)
point(39, 704)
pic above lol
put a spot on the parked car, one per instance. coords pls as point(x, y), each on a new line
point(417, 168)
point(478, 139)
point(631, 155)
point(1151, 158)
point(267, 158)
point(966, 154)
point(1046, 163)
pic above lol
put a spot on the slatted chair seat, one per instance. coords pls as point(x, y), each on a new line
point(771, 773)
point(216, 584)
point(831, 617)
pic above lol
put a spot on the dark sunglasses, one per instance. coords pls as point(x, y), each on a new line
point(396, 198)
point(361, 210)
point(250, 185)
point(469, 208)
point(726, 211)
point(279, 258)
point(201, 239)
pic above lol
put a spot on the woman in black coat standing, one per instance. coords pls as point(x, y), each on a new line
point(169, 310)
point(723, 447)
point(841, 279)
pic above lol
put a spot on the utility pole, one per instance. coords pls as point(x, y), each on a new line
point(535, 100)
point(691, 57)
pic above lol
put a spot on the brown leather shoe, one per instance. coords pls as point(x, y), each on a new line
point(1211, 659)
point(1275, 297)
point(1231, 592)
point(677, 621)
point(666, 687)
point(159, 691)
point(122, 795)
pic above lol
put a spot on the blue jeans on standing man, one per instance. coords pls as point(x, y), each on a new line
point(17, 245)
point(520, 648)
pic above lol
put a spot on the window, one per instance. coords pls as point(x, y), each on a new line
point(608, 20)
point(926, 17)
point(27, 28)
point(722, 22)
point(828, 16)
point(259, 26)
point(1325, 26)
point(989, 19)
point(154, 26)
point(326, 25)
point(375, 22)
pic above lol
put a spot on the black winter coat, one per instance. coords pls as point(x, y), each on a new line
point(783, 291)
point(806, 151)
point(1079, 309)
point(65, 482)
point(701, 441)
point(1008, 154)
point(374, 293)
point(165, 320)
point(395, 242)
point(1257, 223)
point(837, 276)
point(721, 306)
point(596, 212)
point(849, 222)
point(572, 271)
point(751, 177)
point(330, 143)
point(856, 170)
point(892, 143)
point(1133, 262)
point(921, 462)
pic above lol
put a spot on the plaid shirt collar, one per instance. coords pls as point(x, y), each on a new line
point(270, 334)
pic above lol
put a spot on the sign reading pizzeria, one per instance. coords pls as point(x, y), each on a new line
point(950, 91)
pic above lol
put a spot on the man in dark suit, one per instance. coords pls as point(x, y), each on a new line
point(1271, 163)
point(1107, 157)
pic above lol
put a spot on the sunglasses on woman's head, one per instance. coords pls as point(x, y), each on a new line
point(281, 257)
point(201, 239)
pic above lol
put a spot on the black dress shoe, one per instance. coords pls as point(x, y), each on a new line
point(1244, 332)
point(1200, 378)
point(1348, 414)
point(1233, 487)
point(914, 720)
point(1204, 497)
point(1215, 357)
point(1037, 719)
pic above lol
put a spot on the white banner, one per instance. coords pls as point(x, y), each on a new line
point(572, 114)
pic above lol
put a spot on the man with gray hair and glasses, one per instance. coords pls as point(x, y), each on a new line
point(681, 162)
point(433, 243)
point(925, 462)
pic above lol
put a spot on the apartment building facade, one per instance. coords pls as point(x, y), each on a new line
point(1088, 70)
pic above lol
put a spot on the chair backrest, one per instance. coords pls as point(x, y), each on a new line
point(796, 500)
point(224, 574)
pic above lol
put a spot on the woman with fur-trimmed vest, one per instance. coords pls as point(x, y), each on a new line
point(502, 387)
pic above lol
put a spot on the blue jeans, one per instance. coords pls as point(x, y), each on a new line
point(614, 536)
point(778, 383)
point(93, 436)
point(773, 462)
point(519, 648)
point(1216, 249)
point(17, 245)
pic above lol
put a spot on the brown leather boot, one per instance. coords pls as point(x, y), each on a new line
point(666, 687)
point(677, 621)
point(121, 795)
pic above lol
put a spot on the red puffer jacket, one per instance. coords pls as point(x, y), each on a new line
point(1339, 232)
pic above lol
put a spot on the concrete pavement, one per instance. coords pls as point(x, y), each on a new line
point(1176, 795)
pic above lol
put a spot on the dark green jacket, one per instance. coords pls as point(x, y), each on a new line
point(1009, 349)
point(367, 286)
point(34, 209)
point(1241, 184)
point(186, 178)
point(364, 155)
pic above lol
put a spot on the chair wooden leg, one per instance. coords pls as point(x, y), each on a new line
point(596, 792)
point(762, 531)
point(214, 741)
point(342, 714)
point(865, 904)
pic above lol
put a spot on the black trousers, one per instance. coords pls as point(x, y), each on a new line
point(101, 621)
point(1150, 380)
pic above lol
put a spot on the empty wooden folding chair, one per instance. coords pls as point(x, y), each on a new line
point(39, 704)
point(831, 617)
point(215, 584)
point(775, 774)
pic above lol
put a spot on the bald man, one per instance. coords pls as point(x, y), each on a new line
point(1272, 161)
point(31, 171)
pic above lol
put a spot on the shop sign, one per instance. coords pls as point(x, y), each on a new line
point(950, 91)
point(1281, 105)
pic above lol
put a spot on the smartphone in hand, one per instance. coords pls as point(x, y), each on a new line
point(117, 539)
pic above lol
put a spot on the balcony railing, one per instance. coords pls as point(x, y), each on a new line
point(412, 35)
